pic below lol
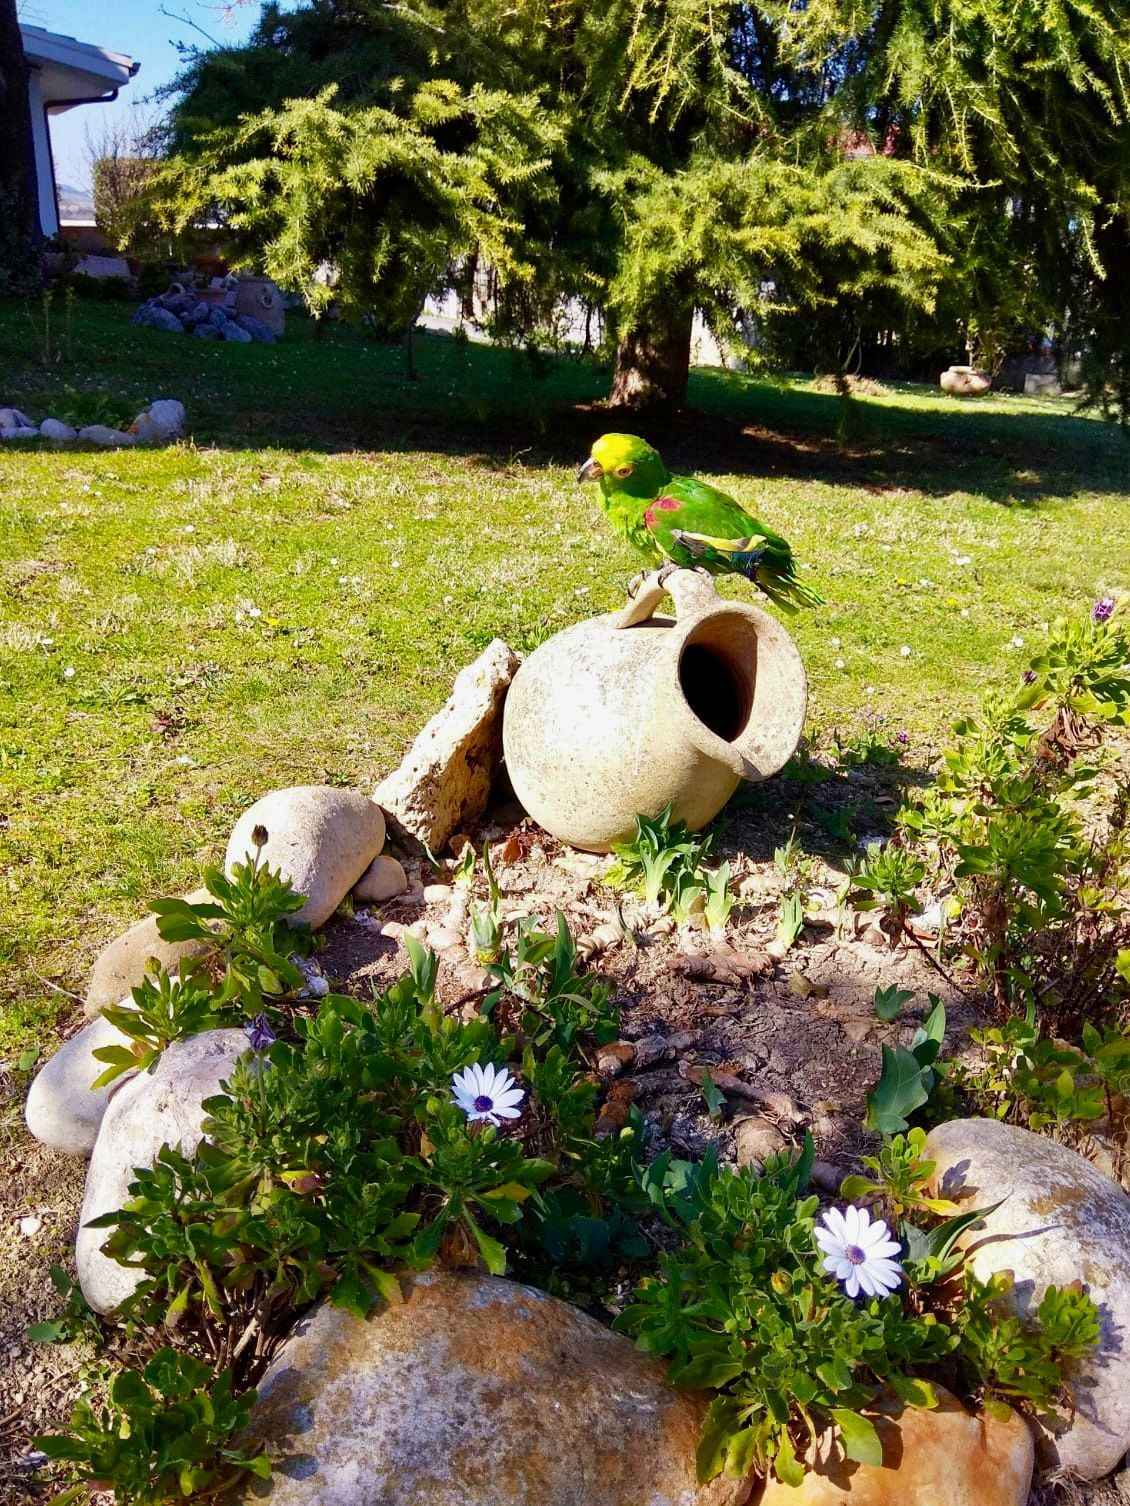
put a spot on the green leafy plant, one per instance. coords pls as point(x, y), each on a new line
point(900, 1174)
point(1042, 1083)
point(886, 878)
point(244, 928)
point(909, 1075)
point(742, 1308)
point(166, 1008)
point(347, 1157)
point(486, 922)
point(1013, 1363)
point(164, 1435)
point(76, 1320)
point(719, 897)
point(1030, 823)
point(542, 993)
point(790, 922)
point(665, 865)
point(244, 966)
point(82, 409)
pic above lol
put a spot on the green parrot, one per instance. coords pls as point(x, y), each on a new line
point(689, 523)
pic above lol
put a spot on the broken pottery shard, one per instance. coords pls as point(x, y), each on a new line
point(445, 778)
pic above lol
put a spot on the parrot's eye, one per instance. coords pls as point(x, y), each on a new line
point(623, 470)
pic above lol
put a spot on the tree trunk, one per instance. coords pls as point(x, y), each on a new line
point(20, 270)
point(653, 362)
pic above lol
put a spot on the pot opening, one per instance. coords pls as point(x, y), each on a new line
point(718, 672)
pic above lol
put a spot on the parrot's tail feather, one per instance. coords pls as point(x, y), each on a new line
point(786, 591)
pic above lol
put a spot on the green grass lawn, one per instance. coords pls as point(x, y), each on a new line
point(285, 598)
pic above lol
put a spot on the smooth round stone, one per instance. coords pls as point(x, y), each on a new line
point(163, 1107)
point(941, 1458)
point(62, 1108)
point(383, 879)
point(1058, 1220)
point(320, 837)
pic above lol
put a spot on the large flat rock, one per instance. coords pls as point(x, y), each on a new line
point(475, 1392)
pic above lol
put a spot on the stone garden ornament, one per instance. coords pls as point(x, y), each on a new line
point(627, 713)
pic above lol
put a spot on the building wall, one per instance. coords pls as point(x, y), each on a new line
point(44, 171)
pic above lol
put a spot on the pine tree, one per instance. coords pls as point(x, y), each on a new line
point(840, 162)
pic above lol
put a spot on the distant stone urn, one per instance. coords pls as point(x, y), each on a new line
point(965, 381)
point(627, 713)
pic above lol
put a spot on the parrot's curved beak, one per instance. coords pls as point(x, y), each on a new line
point(592, 470)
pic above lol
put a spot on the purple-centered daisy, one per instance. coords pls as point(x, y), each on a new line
point(487, 1093)
point(858, 1252)
point(259, 1033)
point(1103, 609)
point(1029, 677)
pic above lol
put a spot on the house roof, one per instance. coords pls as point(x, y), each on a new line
point(72, 72)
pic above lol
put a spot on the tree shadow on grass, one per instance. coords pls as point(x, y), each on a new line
point(499, 409)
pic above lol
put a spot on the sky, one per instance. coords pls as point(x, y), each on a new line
point(142, 30)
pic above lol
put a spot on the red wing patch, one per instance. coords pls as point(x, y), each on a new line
point(661, 504)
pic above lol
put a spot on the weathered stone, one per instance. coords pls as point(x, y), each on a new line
point(62, 1108)
point(153, 316)
point(55, 428)
point(232, 331)
point(161, 421)
point(475, 1392)
point(154, 1109)
point(122, 966)
point(383, 879)
point(102, 434)
point(14, 418)
point(322, 838)
point(28, 431)
point(207, 331)
point(444, 780)
point(256, 328)
point(755, 1140)
point(1061, 1220)
point(941, 1458)
point(965, 381)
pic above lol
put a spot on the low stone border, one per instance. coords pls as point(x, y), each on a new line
point(163, 421)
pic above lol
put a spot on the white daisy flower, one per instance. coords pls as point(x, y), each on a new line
point(488, 1093)
point(859, 1252)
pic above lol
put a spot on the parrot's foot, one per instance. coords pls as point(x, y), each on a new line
point(633, 587)
point(665, 572)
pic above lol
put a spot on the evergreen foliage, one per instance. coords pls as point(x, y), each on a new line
point(947, 171)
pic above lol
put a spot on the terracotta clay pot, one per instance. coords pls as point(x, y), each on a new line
point(624, 714)
point(259, 296)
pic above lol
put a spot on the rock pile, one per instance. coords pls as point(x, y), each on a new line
point(182, 313)
point(162, 421)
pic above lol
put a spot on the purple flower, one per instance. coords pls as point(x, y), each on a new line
point(259, 1033)
point(903, 739)
point(1029, 677)
point(1103, 609)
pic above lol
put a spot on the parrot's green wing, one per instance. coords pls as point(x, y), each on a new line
point(695, 524)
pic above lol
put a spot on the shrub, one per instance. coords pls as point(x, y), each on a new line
point(1030, 822)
